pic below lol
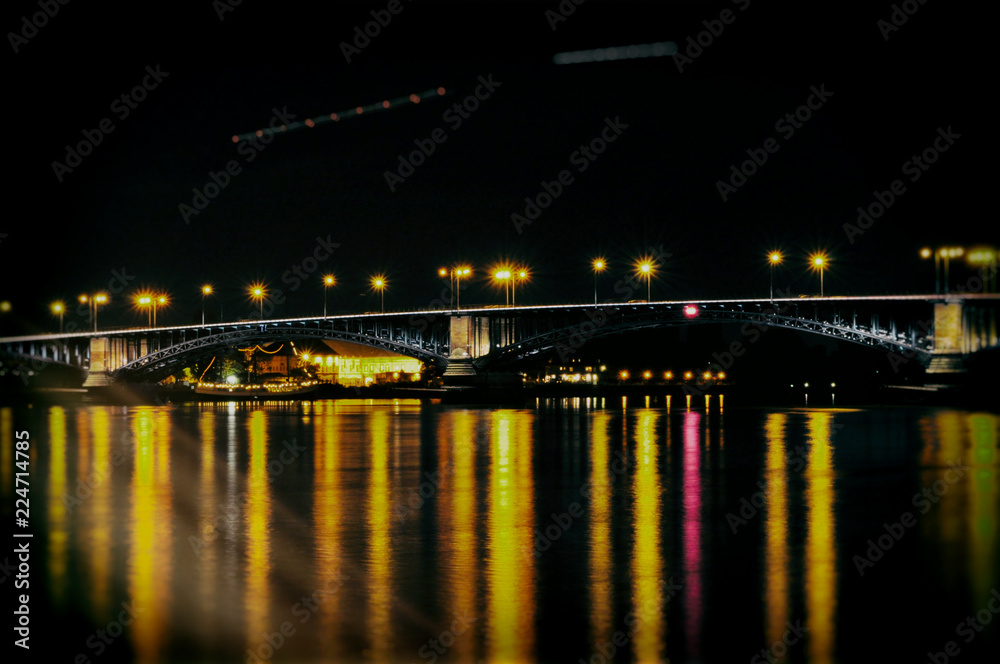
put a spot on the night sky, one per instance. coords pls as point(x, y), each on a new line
point(654, 187)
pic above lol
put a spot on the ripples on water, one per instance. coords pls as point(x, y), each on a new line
point(573, 530)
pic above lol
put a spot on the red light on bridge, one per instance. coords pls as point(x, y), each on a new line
point(415, 99)
point(690, 311)
point(440, 91)
point(334, 117)
point(385, 104)
point(310, 123)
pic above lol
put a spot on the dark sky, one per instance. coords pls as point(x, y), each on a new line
point(655, 185)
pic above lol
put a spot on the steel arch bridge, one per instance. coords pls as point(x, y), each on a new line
point(938, 331)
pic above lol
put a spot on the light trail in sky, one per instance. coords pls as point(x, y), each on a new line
point(384, 105)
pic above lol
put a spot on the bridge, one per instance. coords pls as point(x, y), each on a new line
point(939, 331)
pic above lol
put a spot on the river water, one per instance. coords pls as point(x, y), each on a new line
point(567, 530)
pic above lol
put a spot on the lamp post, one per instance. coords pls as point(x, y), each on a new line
point(645, 268)
point(159, 300)
point(93, 301)
point(145, 301)
point(599, 265)
point(819, 262)
point(58, 308)
point(522, 275)
point(205, 290)
point(947, 253)
point(504, 276)
point(328, 280)
point(459, 273)
point(258, 293)
point(926, 253)
point(986, 259)
point(379, 284)
point(774, 258)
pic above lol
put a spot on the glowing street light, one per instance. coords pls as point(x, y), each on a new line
point(94, 301)
point(258, 293)
point(379, 283)
point(645, 267)
point(459, 273)
point(145, 301)
point(58, 308)
point(984, 257)
point(599, 265)
point(328, 280)
point(522, 275)
point(774, 258)
point(205, 290)
point(504, 275)
point(819, 262)
point(454, 275)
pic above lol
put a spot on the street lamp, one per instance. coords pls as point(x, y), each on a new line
point(984, 257)
point(379, 284)
point(328, 280)
point(158, 301)
point(58, 308)
point(258, 292)
point(599, 265)
point(947, 253)
point(205, 290)
point(459, 273)
point(645, 268)
point(774, 258)
point(94, 301)
point(144, 300)
point(819, 262)
point(504, 275)
point(522, 274)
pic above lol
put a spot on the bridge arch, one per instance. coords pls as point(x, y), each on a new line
point(597, 322)
point(162, 363)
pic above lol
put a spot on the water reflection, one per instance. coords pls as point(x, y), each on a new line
point(380, 632)
point(821, 547)
point(510, 635)
point(151, 529)
point(56, 507)
point(776, 530)
point(647, 561)
point(465, 550)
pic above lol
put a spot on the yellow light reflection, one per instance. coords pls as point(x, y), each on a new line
point(327, 515)
point(457, 504)
point(258, 518)
point(510, 524)
point(647, 563)
point(150, 527)
point(98, 516)
point(601, 559)
point(776, 529)
point(55, 507)
point(379, 541)
point(821, 545)
point(692, 532)
point(983, 503)
point(207, 562)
